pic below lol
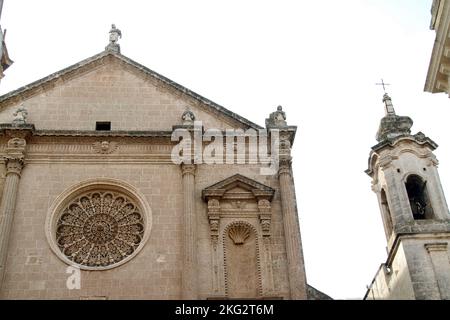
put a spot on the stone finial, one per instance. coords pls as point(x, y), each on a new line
point(277, 118)
point(188, 117)
point(114, 35)
point(388, 106)
point(392, 125)
point(20, 116)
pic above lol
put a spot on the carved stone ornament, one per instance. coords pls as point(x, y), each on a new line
point(214, 225)
point(99, 228)
point(188, 169)
point(14, 165)
point(285, 166)
point(213, 205)
point(188, 117)
point(114, 35)
point(239, 233)
point(20, 116)
point(17, 143)
point(277, 118)
point(265, 226)
point(105, 147)
point(285, 143)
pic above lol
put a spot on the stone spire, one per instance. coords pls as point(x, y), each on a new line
point(392, 125)
point(388, 106)
point(114, 35)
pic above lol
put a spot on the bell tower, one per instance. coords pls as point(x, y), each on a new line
point(414, 211)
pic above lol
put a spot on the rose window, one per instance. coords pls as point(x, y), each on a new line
point(99, 229)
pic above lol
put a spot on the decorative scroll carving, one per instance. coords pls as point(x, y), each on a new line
point(99, 229)
point(214, 219)
point(265, 216)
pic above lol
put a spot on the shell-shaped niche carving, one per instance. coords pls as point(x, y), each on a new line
point(239, 233)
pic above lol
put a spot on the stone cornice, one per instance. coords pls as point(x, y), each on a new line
point(89, 133)
point(437, 81)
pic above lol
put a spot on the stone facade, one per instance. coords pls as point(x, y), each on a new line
point(192, 231)
point(414, 210)
point(438, 78)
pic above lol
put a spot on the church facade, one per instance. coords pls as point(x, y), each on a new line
point(106, 195)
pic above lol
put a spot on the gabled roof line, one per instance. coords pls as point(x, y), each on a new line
point(142, 68)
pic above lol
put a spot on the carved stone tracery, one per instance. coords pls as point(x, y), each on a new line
point(99, 228)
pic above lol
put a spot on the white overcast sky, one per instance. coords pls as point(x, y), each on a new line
point(319, 59)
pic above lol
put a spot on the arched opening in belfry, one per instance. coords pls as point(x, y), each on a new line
point(386, 213)
point(418, 198)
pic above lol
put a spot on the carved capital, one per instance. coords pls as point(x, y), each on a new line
point(188, 169)
point(264, 206)
point(14, 165)
point(285, 166)
point(213, 206)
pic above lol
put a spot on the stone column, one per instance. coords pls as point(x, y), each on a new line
point(13, 169)
point(296, 271)
point(441, 267)
point(189, 275)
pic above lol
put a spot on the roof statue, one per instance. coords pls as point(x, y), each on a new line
point(114, 36)
point(188, 117)
point(20, 116)
point(277, 118)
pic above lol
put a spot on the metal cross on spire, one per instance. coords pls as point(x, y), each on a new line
point(383, 84)
point(388, 106)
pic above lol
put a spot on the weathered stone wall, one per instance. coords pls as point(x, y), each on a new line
point(111, 92)
point(415, 272)
point(392, 284)
point(34, 271)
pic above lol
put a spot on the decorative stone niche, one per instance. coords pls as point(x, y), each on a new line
point(240, 214)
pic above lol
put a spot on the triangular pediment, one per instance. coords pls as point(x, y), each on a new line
point(37, 90)
point(238, 184)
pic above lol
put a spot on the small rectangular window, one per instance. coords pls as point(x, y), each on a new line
point(103, 126)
